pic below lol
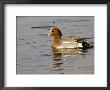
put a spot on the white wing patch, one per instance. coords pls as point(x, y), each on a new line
point(80, 45)
point(65, 42)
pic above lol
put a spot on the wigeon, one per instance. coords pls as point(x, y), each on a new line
point(67, 42)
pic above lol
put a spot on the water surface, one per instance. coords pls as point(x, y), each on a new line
point(34, 52)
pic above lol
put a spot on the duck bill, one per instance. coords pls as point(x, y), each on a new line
point(49, 34)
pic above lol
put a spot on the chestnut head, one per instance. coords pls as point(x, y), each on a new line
point(55, 32)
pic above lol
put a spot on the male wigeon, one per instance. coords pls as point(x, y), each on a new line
point(67, 42)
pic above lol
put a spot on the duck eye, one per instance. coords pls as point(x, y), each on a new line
point(52, 31)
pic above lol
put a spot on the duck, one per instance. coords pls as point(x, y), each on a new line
point(68, 42)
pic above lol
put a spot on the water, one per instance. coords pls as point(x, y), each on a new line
point(34, 52)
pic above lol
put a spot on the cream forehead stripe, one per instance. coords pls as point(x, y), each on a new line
point(51, 29)
point(50, 32)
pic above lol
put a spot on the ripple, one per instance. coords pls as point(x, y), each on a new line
point(82, 25)
point(45, 55)
point(42, 34)
point(42, 26)
point(27, 58)
point(35, 46)
point(21, 39)
point(18, 44)
point(27, 43)
point(58, 69)
point(57, 63)
point(81, 20)
point(44, 45)
point(53, 22)
point(56, 59)
point(34, 42)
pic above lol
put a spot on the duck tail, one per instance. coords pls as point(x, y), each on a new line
point(86, 45)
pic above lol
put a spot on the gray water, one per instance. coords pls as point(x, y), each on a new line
point(34, 52)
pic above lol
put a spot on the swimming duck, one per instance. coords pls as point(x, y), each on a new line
point(67, 42)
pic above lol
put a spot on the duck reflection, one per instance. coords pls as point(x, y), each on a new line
point(58, 56)
point(57, 60)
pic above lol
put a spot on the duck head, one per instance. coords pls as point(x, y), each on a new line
point(55, 32)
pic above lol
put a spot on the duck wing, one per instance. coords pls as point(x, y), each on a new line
point(71, 38)
point(82, 42)
point(82, 39)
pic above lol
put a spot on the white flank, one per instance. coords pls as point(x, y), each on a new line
point(80, 45)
